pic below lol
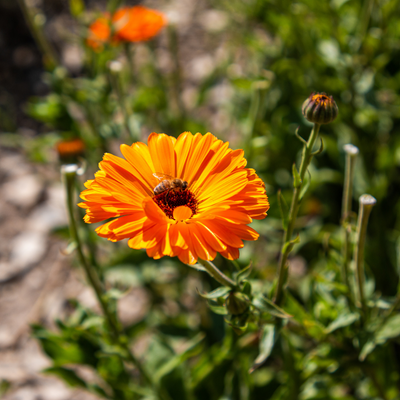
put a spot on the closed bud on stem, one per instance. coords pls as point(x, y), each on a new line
point(236, 303)
point(320, 108)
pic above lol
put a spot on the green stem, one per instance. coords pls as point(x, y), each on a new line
point(69, 174)
point(115, 78)
point(217, 274)
point(366, 204)
point(306, 158)
point(34, 23)
point(129, 58)
point(176, 102)
point(351, 154)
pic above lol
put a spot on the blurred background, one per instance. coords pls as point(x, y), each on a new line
point(240, 69)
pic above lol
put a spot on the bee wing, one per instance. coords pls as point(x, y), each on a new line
point(162, 177)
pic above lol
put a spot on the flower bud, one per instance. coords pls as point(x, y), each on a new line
point(320, 108)
point(236, 303)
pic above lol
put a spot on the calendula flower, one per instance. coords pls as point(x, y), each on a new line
point(69, 150)
point(129, 24)
point(206, 211)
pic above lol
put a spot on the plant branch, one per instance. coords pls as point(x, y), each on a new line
point(217, 274)
point(306, 158)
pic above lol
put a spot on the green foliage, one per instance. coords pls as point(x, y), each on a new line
point(240, 342)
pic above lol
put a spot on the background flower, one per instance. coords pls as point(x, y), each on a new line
point(210, 216)
point(130, 24)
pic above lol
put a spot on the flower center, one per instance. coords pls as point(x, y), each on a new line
point(171, 202)
point(321, 98)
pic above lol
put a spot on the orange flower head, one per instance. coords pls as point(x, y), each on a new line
point(70, 149)
point(189, 197)
point(136, 24)
point(130, 24)
point(99, 32)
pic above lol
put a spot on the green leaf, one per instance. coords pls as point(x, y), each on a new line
point(389, 330)
point(344, 319)
point(243, 274)
point(221, 310)
point(367, 349)
point(191, 349)
point(284, 209)
point(268, 339)
point(246, 288)
point(116, 294)
point(266, 305)
point(304, 319)
point(67, 375)
point(288, 246)
point(296, 177)
point(305, 186)
point(219, 292)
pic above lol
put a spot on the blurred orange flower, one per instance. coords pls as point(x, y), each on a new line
point(70, 149)
point(130, 24)
point(207, 213)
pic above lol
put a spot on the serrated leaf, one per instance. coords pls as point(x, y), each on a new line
point(266, 305)
point(345, 319)
point(219, 292)
point(296, 177)
point(243, 274)
point(268, 339)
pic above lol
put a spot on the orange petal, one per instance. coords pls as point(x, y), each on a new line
point(162, 153)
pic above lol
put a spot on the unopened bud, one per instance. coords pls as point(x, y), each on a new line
point(320, 108)
point(236, 303)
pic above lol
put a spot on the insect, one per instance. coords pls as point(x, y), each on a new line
point(168, 183)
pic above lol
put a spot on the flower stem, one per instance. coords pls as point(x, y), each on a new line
point(366, 204)
point(306, 158)
point(217, 274)
point(351, 154)
point(69, 174)
point(115, 68)
point(34, 23)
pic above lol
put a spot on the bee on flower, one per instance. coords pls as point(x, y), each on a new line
point(205, 202)
point(128, 24)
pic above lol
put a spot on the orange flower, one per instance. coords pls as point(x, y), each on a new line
point(209, 216)
point(130, 24)
point(70, 149)
point(99, 32)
